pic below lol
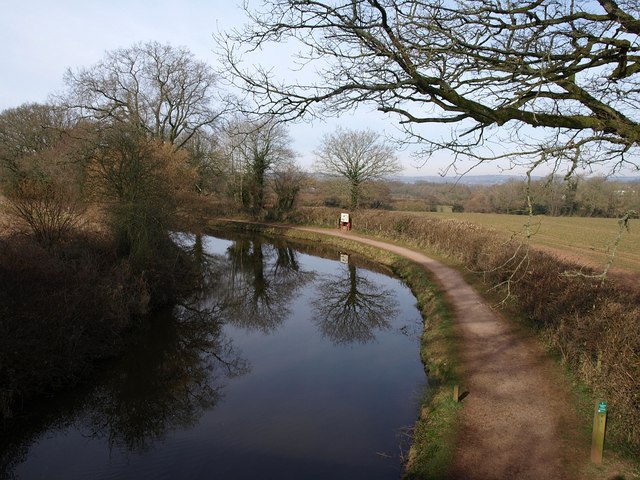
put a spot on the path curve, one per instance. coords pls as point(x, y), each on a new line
point(516, 408)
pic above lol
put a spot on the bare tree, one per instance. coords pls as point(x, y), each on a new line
point(40, 175)
point(357, 155)
point(50, 209)
point(138, 179)
point(31, 138)
point(160, 89)
point(207, 157)
point(288, 180)
point(481, 66)
point(256, 148)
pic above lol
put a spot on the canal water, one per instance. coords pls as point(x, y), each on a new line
point(288, 363)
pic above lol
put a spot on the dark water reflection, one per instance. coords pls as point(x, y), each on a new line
point(350, 307)
point(283, 365)
point(165, 384)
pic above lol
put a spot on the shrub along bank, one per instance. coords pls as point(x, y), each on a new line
point(594, 327)
point(64, 308)
point(60, 311)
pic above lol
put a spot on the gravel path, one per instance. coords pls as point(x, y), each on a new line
point(516, 412)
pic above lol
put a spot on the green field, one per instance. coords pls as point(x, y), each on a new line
point(585, 240)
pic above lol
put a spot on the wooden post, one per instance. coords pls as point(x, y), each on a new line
point(456, 393)
point(599, 425)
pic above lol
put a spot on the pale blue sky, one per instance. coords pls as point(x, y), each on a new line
point(40, 39)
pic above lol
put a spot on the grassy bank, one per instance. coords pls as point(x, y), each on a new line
point(61, 310)
point(435, 431)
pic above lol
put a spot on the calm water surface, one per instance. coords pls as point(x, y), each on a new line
point(285, 365)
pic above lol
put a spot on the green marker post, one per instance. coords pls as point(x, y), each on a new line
point(599, 425)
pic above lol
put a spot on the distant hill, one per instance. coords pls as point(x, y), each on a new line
point(625, 179)
point(485, 179)
point(464, 180)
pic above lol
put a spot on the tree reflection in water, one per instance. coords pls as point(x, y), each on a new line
point(351, 308)
point(183, 360)
point(180, 369)
point(167, 382)
point(260, 283)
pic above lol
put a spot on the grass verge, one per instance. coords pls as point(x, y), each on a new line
point(435, 431)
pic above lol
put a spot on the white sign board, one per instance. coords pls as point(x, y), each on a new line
point(344, 258)
point(344, 217)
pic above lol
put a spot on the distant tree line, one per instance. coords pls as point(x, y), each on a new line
point(579, 196)
point(554, 196)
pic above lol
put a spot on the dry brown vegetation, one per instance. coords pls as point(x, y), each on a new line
point(65, 306)
point(60, 312)
point(594, 327)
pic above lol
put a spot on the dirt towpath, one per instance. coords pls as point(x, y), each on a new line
point(516, 418)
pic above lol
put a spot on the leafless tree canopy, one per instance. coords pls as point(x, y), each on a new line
point(259, 145)
point(256, 148)
point(357, 155)
point(570, 67)
point(159, 88)
point(288, 179)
